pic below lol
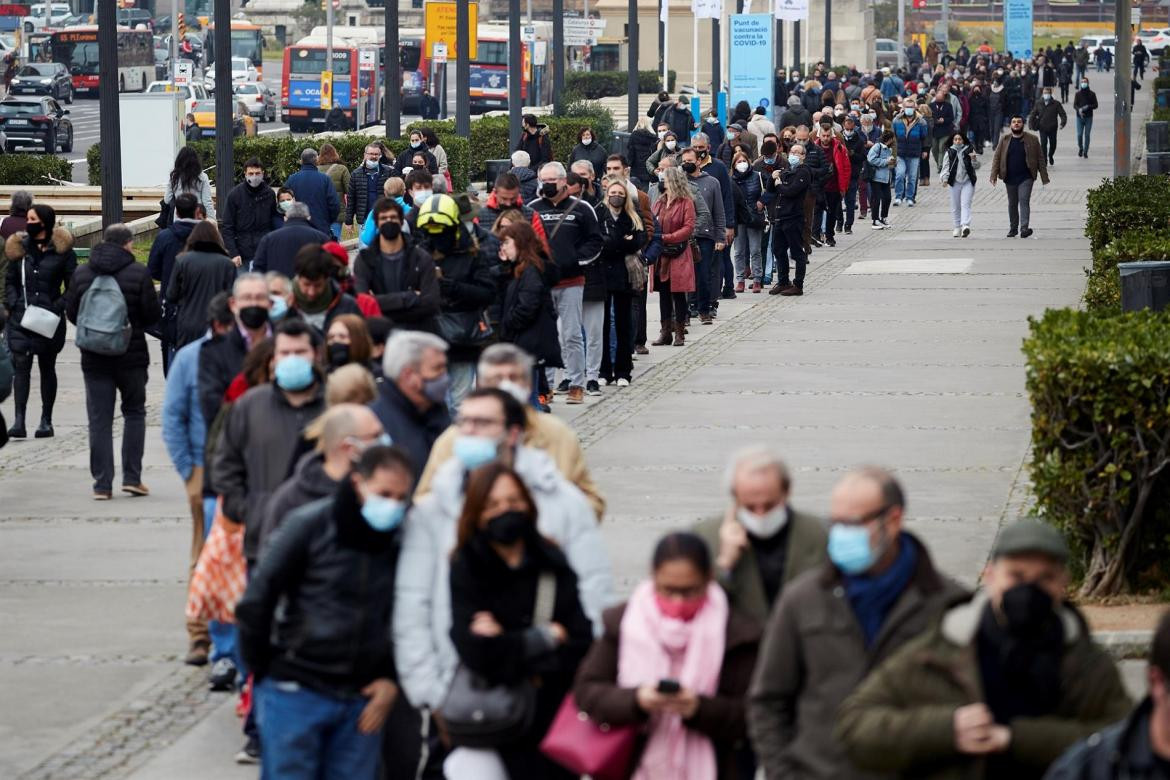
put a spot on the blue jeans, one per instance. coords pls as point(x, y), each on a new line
point(312, 736)
point(1084, 132)
point(335, 229)
point(703, 275)
point(223, 635)
point(906, 178)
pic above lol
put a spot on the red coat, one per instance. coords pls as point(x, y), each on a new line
point(840, 157)
point(678, 226)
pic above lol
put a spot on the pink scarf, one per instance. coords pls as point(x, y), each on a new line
point(653, 647)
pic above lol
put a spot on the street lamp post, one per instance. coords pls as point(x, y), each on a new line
point(224, 113)
point(515, 77)
point(632, 63)
point(1121, 88)
point(393, 73)
point(108, 106)
point(462, 70)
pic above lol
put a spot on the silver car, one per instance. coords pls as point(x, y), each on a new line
point(885, 53)
point(260, 100)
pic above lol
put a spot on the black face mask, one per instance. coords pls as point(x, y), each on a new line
point(662, 186)
point(617, 201)
point(253, 317)
point(702, 153)
point(508, 527)
point(443, 242)
point(390, 230)
point(549, 189)
point(1026, 609)
point(36, 229)
point(338, 355)
point(689, 168)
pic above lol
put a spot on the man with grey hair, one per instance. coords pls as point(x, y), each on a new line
point(412, 405)
point(123, 374)
point(278, 250)
point(18, 208)
point(760, 544)
point(575, 241)
point(366, 183)
point(315, 190)
point(509, 368)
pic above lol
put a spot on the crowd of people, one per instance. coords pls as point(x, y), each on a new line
point(396, 556)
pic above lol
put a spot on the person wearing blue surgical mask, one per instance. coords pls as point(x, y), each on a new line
point(878, 590)
point(324, 667)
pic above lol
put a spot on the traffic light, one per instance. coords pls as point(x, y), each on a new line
point(919, 4)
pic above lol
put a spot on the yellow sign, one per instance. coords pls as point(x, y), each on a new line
point(326, 89)
point(441, 28)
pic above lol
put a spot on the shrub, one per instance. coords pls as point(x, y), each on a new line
point(594, 84)
point(1100, 392)
point(1162, 82)
point(281, 156)
point(1118, 205)
point(1103, 292)
point(33, 169)
point(1161, 115)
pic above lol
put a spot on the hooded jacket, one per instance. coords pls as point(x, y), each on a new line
point(199, 276)
point(248, 215)
point(538, 145)
point(528, 183)
point(528, 318)
point(49, 276)
point(142, 307)
point(308, 483)
point(423, 649)
point(166, 248)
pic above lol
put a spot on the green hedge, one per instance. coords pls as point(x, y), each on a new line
point(1118, 205)
point(1100, 392)
point(489, 134)
point(33, 169)
point(1162, 82)
point(281, 155)
point(1161, 115)
point(594, 84)
point(1103, 292)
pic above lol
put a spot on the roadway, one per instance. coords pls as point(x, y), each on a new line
point(85, 115)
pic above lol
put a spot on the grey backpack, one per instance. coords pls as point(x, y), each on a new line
point(103, 323)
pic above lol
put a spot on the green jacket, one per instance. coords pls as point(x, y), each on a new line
point(900, 720)
point(807, 542)
point(814, 655)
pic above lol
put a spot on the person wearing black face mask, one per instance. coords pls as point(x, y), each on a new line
point(514, 608)
point(1014, 670)
point(398, 273)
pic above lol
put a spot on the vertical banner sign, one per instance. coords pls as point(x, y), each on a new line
point(326, 89)
point(791, 10)
point(750, 60)
point(1017, 28)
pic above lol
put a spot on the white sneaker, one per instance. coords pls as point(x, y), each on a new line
point(623, 383)
point(955, 233)
point(878, 226)
point(966, 231)
point(897, 202)
point(910, 203)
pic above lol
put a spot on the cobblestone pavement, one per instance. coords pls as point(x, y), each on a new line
point(904, 351)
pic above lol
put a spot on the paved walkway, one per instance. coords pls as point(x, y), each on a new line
point(904, 351)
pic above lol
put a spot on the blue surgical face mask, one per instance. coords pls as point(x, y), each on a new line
point(294, 373)
point(794, 160)
point(371, 164)
point(908, 111)
point(474, 451)
point(435, 390)
point(849, 548)
point(278, 309)
point(383, 514)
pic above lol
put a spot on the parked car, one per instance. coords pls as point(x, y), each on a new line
point(191, 95)
point(242, 122)
point(37, 122)
point(44, 78)
point(260, 100)
point(132, 17)
point(885, 53)
point(162, 63)
point(1093, 42)
point(42, 15)
point(1157, 43)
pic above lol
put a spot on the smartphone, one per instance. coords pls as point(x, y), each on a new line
point(669, 687)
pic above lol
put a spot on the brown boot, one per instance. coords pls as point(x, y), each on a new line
point(679, 335)
point(663, 339)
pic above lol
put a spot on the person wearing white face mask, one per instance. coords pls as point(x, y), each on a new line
point(760, 543)
point(588, 148)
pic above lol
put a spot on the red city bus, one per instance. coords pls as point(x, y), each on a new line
point(489, 70)
point(77, 48)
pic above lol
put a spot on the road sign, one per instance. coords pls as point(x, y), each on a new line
point(540, 54)
point(439, 53)
point(583, 32)
point(1135, 15)
point(528, 34)
point(367, 59)
point(327, 89)
point(440, 27)
point(184, 72)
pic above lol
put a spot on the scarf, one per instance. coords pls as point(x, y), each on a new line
point(654, 647)
point(872, 597)
point(316, 305)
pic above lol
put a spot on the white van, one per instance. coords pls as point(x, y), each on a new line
point(42, 15)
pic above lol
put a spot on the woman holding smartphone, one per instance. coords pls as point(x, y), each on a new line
point(677, 662)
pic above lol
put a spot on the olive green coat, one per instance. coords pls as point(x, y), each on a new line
point(807, 542)
point(900, 720)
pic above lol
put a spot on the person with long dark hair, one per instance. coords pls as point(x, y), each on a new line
point(41, 264)
point(188, 176)
point(527, 316)
point(201, 272)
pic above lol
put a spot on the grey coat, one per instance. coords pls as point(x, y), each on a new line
point(706, 188)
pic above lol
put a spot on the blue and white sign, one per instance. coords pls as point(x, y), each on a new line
point(751, 52)
point(1017, 28)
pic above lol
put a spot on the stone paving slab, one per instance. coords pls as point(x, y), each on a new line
point(921, 372)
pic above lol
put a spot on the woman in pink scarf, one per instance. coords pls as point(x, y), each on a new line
point(675, 661)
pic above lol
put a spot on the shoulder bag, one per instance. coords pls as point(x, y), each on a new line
point(587, 748)
point(37, 319)
point(480, 714)
point(466, 328)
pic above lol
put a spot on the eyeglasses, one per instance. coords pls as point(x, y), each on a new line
point(864, 519)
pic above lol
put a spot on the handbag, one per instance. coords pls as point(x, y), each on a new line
point(166, 214)
point(466, 328)
point(636, 271)
point(868, 171)
point(480, 714)
point(219, 579)
point(38, 319)
point(674, 250)
point(587, 748)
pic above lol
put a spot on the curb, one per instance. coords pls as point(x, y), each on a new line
point(1125, 645)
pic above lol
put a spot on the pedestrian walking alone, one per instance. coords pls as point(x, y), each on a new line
point(1085, 103)
point(958, 174)
point(1018, 161)
point(1047, 117)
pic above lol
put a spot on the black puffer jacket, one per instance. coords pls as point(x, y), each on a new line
point(528, 183)
point(248, 215)
point(358, 203)
point(142, 307)
point(612, 260)
point(335, 578)
point(48, 271)
point(638, 150)
point(412, 302)
point(198, 277)
point(595, 153)
point(528, 318)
